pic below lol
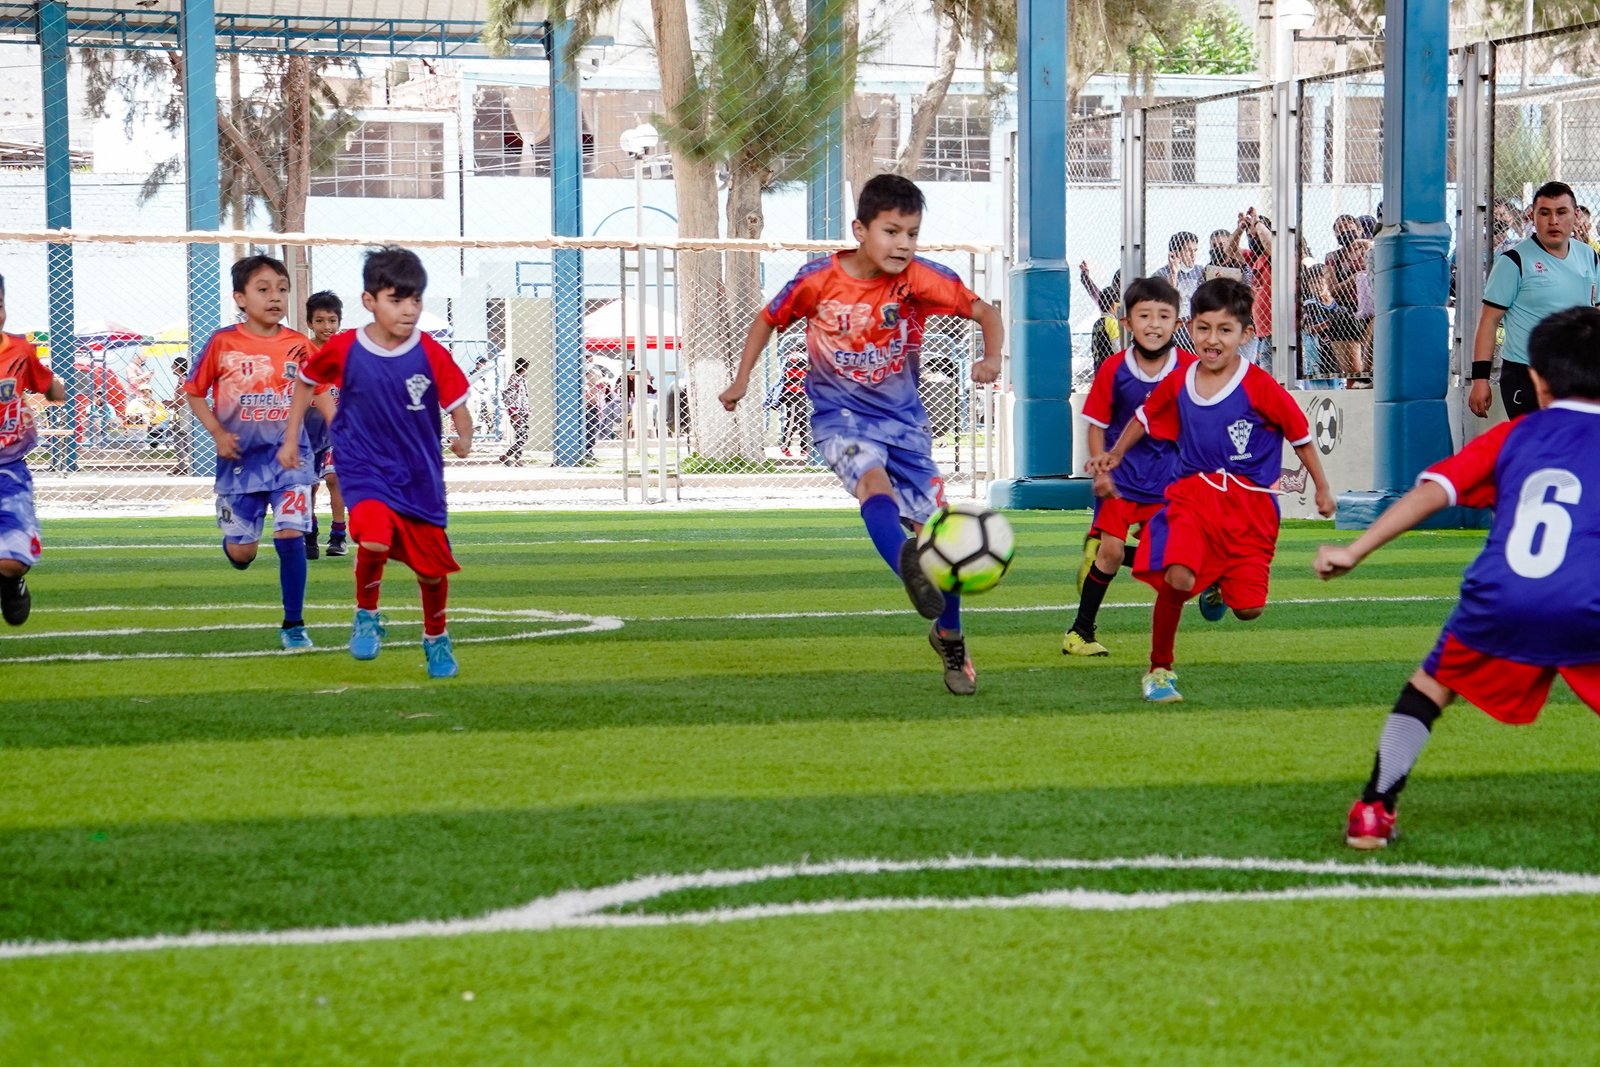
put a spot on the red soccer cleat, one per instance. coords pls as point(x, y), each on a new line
point(1371, 826)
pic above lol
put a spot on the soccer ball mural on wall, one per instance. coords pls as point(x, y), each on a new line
point(965, 548)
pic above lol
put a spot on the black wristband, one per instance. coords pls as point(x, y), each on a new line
point(1481, 368)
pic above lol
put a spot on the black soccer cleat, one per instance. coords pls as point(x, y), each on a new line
point(312, 551)
point(925, 596)
point(15, 600)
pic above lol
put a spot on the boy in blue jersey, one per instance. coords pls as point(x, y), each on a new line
point(324, 316)
point(1530, 602)
point(1219, 529)
point(864, 312)
point(393, 381)
point(249, 371)
point(1132, 494)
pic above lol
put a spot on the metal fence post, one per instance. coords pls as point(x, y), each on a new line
point(1286, 101)
point(1474, 151)
point(1133, 193)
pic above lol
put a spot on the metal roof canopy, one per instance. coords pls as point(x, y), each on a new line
point(280, 27)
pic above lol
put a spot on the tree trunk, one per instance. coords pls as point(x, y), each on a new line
point(703, 326)
point(297, 180)
point(925, 108)
point(860, 138)
point(746, 179)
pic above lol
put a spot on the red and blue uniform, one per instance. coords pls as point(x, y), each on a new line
point(867, 411)
point(20, 372)
point(1530, 602)
point(1120, 387)
point(1221, 518)
point(387, 436)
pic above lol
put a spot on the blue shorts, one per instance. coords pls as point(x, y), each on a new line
point(918, 485)
point(320, 465)
point(19, 526)
point(240, 517)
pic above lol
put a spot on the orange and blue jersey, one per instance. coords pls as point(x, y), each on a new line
point(870, 330)
point(1533, 593)
point(1120, 387)
point(1239, 431)
point(251, 380)
point(388, 432)
point(21, 371)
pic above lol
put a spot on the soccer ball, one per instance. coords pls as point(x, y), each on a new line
point(965, 548)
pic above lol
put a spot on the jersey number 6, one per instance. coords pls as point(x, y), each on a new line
point(1537, 543)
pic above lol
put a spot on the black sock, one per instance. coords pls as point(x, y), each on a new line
point(1128, 552)
point(1094, 591)
point(1404, 733)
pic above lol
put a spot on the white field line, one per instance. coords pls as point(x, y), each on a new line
point(215, 545)
point(591, 907)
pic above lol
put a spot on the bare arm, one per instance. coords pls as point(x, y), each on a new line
point(227, 443)
point(988, 318)
point(461, 422)
point(1479, 397)
point(1427, 499)
point(299, 404)
point(1106, 462)
point(754, 342)
point(1103, 485)
point(57, 392)
point(1307, 452)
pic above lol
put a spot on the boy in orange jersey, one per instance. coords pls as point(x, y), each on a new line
point(20, 372)
point(324, 315)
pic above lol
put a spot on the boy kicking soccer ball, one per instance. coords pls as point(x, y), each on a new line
point(20, 372)
point(249, 371)
point(864, 312)
point(1219, 529)
point(1530, 602)
point(393, 379)
point(1131, 495)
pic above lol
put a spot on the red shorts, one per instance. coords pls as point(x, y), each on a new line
point(1509, 691)
point(1114, 516)
point(422, 546)
point(1227, 536)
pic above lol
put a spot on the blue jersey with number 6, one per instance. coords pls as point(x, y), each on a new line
point(1533, 593)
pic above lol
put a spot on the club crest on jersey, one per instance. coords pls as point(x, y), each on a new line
point(1239, 434)
point(417, 386)
point(8, 390)
point(891, 316)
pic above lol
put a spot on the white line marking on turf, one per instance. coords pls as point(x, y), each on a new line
point(592, 907)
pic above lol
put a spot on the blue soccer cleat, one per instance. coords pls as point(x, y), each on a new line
point(366, 634)
point(295, 638)
point(441, 658)
point(1161, 687)
point(1212, 609)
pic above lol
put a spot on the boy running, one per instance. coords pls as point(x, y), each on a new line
point(324, 313)
point(393, 379)
point(1219, 529)
point(1530, 605)
point(21, 372)
point(864, 312)
point(249, 371)
point(1133, 494)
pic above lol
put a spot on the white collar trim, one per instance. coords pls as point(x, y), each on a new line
point(1130, 359)
point(378, 350)
point(1223, 393)
point(1588, 407)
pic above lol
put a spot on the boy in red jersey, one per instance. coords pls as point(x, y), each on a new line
point(249, 371)
point(1219, 529)
point(864, 312)
point(1530, 602)
point(1134, 494)
point(324, 314)
point(393, 380)
point(21, 371)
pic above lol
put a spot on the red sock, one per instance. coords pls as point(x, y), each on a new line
point(1164, 626)
point(369, 576)
point(433, 599)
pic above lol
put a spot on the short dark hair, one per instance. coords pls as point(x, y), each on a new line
point(888, 192)
point(180, 364)
point(519, 365)
point(393, 267)
point(247, 267)
point(1554, 191)
point(1150, 290)
point(326, 300)
point(1565, 349)
point(1179, 239)
point(1225, 295)
point(2, 285)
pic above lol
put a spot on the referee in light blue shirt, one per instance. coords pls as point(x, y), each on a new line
point(1535, 278)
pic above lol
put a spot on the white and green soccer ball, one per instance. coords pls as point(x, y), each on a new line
point(965, 548)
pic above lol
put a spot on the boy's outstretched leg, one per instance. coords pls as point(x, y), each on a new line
point(1079, 640)
point(881, 514)
point(15, 600)
point(435, 638)
point(312, 550)
point(1371, 821)
point(1160, 685)
point(946, 638)
point(367, 630)
point(291, 549)
point(336, 534)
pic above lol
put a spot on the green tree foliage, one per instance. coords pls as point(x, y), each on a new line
point(1217, 42)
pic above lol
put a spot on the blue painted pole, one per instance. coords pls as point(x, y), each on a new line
point(825, 189)
point(1041, 286)
point(566, 217)
point(1411, 263)
point(62, 318)
point(203, 185)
